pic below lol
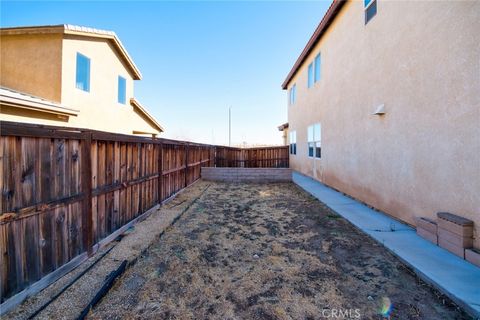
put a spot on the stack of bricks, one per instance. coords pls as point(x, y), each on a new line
point(454, 233)
point(427, 229)
point(256, 175)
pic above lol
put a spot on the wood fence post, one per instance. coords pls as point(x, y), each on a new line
point(87, 215)
point(214, 151)
point(160, 174)
point(186, 164)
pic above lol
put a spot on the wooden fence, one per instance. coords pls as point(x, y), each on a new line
point(65, 192)
point(264, 157)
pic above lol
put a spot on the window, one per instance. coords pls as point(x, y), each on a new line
point(293, 142)
point(315, 141)
point(293, 94)
point(122, 90)
point(83, 73)
point(311, 143)
point(370, 9)
point(310, 75)
point(317, 68)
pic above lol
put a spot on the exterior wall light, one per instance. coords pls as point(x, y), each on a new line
point(380, 111)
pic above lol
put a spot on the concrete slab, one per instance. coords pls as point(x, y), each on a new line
point(453, 276)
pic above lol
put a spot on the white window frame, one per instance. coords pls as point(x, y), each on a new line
point(314, 140)
point(365, 9)
point(292, 143)
point(310, 76)
point(292, 96)
point(319, 62)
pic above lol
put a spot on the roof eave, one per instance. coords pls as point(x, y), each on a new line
point(134, 103)
point(319, 31)
point(283, 127)
point(36, 106)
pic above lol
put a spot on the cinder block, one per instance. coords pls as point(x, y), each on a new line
point(426, 234)
point(455, 224)
point(427, 224)
point(463, 231)
point(254, 175)
point(453, 238)
point(473, 256)
point(459, 251)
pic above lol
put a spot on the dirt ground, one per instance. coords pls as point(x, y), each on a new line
point(268, 251)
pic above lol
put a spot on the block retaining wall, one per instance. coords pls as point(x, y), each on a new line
point(257, 175)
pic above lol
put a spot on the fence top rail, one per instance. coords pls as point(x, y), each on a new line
point(8, 128)
point(253, 148)
point(28, 130)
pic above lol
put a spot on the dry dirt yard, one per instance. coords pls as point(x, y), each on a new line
point(267, 251)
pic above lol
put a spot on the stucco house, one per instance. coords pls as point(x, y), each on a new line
point(70, 76)
point(284, 130)
point(384, 105)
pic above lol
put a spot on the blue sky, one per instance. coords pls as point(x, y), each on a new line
point(199, 58)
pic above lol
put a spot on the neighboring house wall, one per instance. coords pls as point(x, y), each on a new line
point(420, 59)
point(101, 102)
point(45, 65)
point(285, 136)
point(32, 63)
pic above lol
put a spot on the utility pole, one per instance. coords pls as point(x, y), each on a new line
point(229, 126)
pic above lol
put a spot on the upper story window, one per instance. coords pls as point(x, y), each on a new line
point(293, 142)
point(315, 141)
point(293, 94)
point(122, 90)
point(370, 9)
point(82, 80)
point(318, 61)
point(314, 71)
point(310, 75)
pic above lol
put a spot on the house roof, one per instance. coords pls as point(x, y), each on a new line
point(82, 32)
point(283, 127)
point(319, 31)
point(15, 98)
point(134, 103)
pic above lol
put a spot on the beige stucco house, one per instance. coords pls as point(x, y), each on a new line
point(384, 105)
point(71, 76)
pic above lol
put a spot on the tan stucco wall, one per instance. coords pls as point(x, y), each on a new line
point(45, 66)
point(32, 63)
point(99, 108)
point(422, 60)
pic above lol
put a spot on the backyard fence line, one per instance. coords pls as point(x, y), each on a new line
point(64, 190)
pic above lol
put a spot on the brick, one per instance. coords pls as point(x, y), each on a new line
point(453, 238)
point(459, 251)
point(454, 218)
point(463, 231)
point(426, 234)
point(427, 224)
point(473, 256)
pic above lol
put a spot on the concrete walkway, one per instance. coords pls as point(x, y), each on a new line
point(453, 276)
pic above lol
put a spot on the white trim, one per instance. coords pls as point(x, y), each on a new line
point(368, 5)
point(22, 100)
